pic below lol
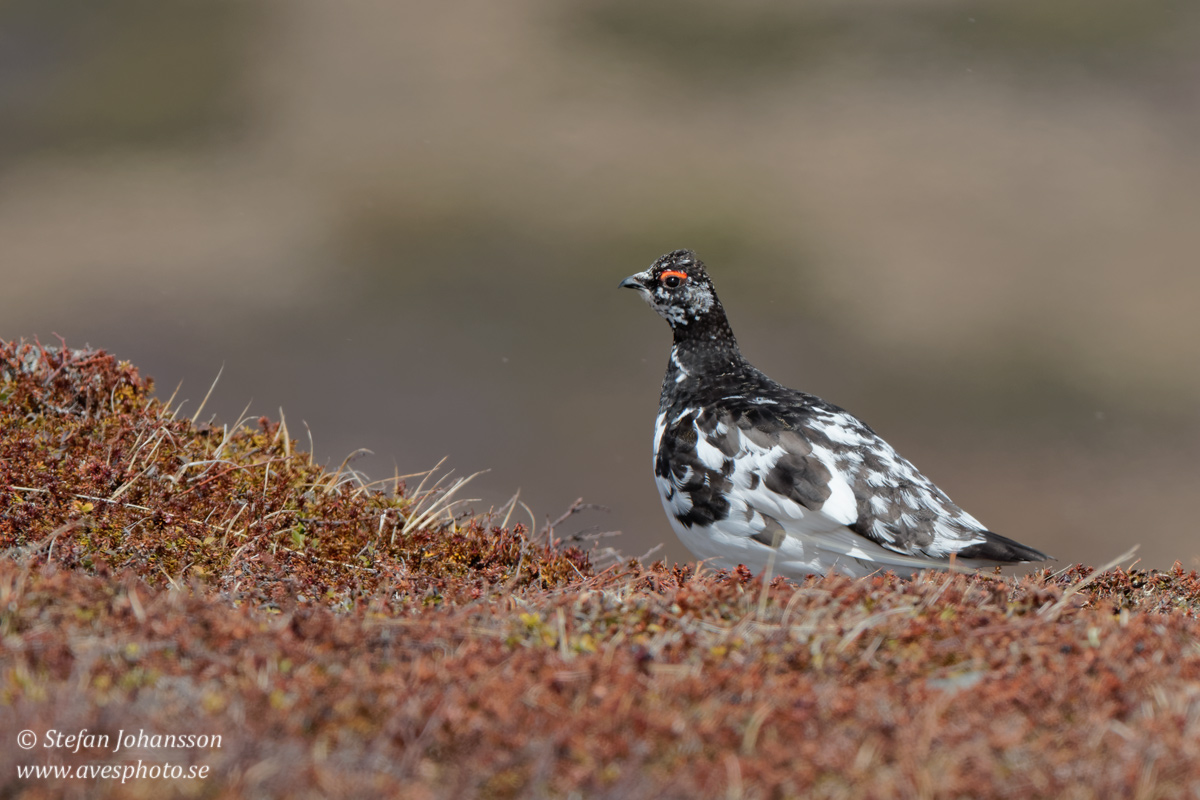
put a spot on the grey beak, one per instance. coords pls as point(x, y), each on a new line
point(631, 283)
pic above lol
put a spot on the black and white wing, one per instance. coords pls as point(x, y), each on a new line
point(815, 483)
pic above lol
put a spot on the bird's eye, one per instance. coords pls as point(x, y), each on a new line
point(672, 279)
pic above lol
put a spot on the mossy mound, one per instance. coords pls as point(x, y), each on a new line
point(167, 577)
point(97, 473)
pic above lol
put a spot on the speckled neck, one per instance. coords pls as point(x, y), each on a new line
point(704, 352)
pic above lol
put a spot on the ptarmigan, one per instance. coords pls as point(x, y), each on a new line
point(747, 467)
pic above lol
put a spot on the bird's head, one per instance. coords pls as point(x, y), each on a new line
point(678, 288)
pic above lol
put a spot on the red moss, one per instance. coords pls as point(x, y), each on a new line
point(462, 660)
point(96, 471)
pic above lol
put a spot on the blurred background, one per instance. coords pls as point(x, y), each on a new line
point(975, 224)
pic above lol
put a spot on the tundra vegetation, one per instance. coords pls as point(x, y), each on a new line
point(343, 637)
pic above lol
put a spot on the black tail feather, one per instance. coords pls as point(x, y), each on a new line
point(1002, 549)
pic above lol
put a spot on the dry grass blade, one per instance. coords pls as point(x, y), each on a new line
point(764, 594)
point(432, 503)
point(230, 431)
point(167, 413)
point(511, 505)
point(19, 554)
point(865, 623)
point(1052, 611)
point(336, 479)
point(163, 434)
point(644, 557)
point(750, 737)
point(204, 402)
point(284, 435)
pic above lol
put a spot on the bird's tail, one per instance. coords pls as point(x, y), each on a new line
point(1002, 550)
